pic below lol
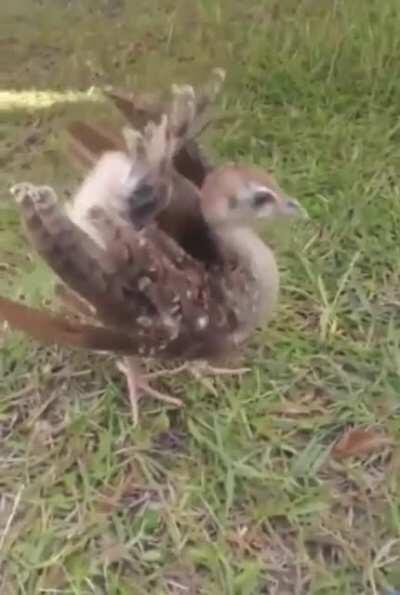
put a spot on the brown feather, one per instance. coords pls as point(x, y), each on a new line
point(143, 281)
point(87, 142)
point(184, 221)
point(153, 269)
point(73, 302)
point(138, 109)
point(53, 329)
point(67, 249)
point(181, 217)
point(191, 163)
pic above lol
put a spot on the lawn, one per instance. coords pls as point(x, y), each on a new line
point(240, 494)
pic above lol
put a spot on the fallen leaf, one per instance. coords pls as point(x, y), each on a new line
point(359, 441)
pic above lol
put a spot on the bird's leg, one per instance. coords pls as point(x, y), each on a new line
point(167, 372)
point(201, 369)
point(138, 386)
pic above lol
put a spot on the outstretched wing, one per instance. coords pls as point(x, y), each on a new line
point(147, 281)
point(137, 108)
point(181, 215)
point(89, 141)
point(149, 296)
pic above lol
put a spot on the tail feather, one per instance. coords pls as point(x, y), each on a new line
point(52, 329)
point(72, 302)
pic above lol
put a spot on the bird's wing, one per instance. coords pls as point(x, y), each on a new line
point(141, 281)
point(137, 108)
point(89, 141)
point(181, 215)
point(140, 108)
point(148, 295)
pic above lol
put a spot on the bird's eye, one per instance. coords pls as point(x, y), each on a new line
point(263, 198)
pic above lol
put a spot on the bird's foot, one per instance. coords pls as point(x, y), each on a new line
point(201, 370)
point(138, 386)
point(167, 372)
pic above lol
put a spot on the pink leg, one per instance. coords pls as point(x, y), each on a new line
point(201, 369)
point(138, 387)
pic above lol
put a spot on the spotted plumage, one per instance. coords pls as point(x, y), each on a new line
point(156, 251)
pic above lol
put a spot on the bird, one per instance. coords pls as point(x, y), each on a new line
point(157, 253)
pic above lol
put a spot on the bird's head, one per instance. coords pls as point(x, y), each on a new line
point(235, 194)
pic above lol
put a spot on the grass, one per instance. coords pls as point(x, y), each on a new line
point(237, 494)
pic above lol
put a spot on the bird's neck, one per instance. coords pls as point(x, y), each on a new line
point(252, 252)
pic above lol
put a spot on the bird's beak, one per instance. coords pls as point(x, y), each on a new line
point(290, 207)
